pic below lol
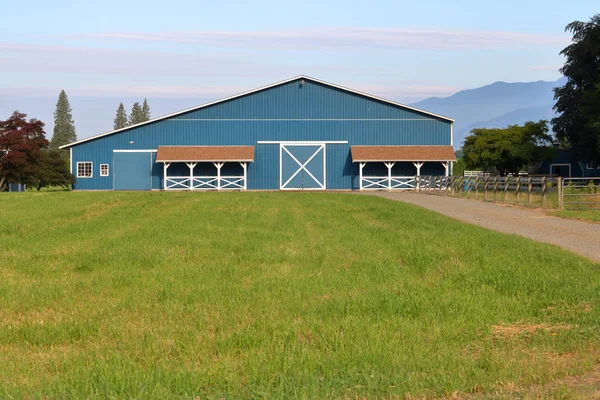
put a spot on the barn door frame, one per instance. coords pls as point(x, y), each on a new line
point(302, 165)
point(322, 143)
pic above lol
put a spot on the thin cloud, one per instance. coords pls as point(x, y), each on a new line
point(344, 38)
point(407, 93)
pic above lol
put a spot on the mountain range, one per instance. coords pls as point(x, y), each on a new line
point(495, 106)
point(492, 106)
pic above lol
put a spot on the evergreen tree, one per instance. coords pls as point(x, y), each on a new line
point(146, 110)
point(136, 115)
point(64, 127)
point(121, 118)
point(578, 102)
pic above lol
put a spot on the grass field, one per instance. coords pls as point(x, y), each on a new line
point(584, 215)
point(280, 295)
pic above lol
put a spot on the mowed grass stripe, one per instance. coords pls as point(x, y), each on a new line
point(278, 295)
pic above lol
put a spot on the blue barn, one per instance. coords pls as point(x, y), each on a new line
point(298, 134)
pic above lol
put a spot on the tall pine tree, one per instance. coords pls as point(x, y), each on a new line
point(121, 118)
point(136, 115)
point(146, 110)
point(578, 102)
point(64, 127)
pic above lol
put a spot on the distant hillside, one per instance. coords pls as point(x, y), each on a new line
point(514, 117)
point(494, 106)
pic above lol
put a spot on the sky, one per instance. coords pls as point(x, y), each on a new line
point(196, 49)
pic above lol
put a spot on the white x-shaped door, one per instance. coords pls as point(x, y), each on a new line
point(302, 166)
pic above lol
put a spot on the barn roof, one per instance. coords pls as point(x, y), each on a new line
point(258, 90)
point(204, 153)
point(402, 153)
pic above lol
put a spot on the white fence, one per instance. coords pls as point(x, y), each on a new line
point(205, 183)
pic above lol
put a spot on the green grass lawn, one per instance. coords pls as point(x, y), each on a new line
point(584, 215)
point(279, 295)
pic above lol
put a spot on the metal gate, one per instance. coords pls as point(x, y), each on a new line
point(302, 166)
point(580, 193)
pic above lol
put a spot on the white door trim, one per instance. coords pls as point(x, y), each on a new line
point(561, 165)
point(302, 166)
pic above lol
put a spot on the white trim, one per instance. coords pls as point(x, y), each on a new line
point(208, 161)
point(91, 169)
point(561, 165)
point(302, 166)
point(135, 151)
point(452, 134)
point(398, 160)
point(587, 166)
point(107, 170)
point(258, 90)
point(71, 160)
point(301, 143)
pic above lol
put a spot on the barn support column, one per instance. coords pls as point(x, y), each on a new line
point(165, 168)
point(446, 165)
point(389, 167)
point(245, 166)
point(191, 167)
point(360, 174)
point(219, 165)
point(418, 165)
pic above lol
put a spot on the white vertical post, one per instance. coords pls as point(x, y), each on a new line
point(191, 167)
point(218, 165)
point(245, 166)
point(360, 174)
point(389, 167)
point(165, 167)
point(445, 164)
point(418, 165)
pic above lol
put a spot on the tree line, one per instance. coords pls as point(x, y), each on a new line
point(139, 113)
point(27, 157)
point(577, 126)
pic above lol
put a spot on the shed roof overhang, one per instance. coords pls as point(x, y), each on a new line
point(402, 153)
point(167, 154)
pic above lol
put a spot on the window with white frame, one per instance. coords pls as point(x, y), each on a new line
point(84, 169)
point(103, 169)
point(592, 165)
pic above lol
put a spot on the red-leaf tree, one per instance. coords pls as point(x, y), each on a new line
point(21, 142)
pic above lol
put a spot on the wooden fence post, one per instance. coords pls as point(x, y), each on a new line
point(560, 194)
point(544, 191)
point(518, 183)
point(530, 194)
point(468, 187)
point(495, 187)
point(485, 185)
point(506, 187)
point(477, 188)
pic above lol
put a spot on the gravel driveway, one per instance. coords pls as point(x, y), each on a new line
point(578, 236)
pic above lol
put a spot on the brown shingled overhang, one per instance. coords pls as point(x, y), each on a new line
point(205, 153)
point(402, 153)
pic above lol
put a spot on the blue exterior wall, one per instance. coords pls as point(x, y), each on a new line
point(578, 168)
point(288, 112)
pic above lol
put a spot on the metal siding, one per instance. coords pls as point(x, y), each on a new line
point(132, 171)
point(283, 113)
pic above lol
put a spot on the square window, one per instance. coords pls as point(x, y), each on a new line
point(103, 169)
point(592, 165)
point(84, 169)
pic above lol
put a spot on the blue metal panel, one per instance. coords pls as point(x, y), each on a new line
point(132, 171)
point(289, 112)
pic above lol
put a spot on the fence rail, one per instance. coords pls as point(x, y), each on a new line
point(581, 193)
point(532, 191)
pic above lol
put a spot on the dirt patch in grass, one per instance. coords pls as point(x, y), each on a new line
point(516, 330)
